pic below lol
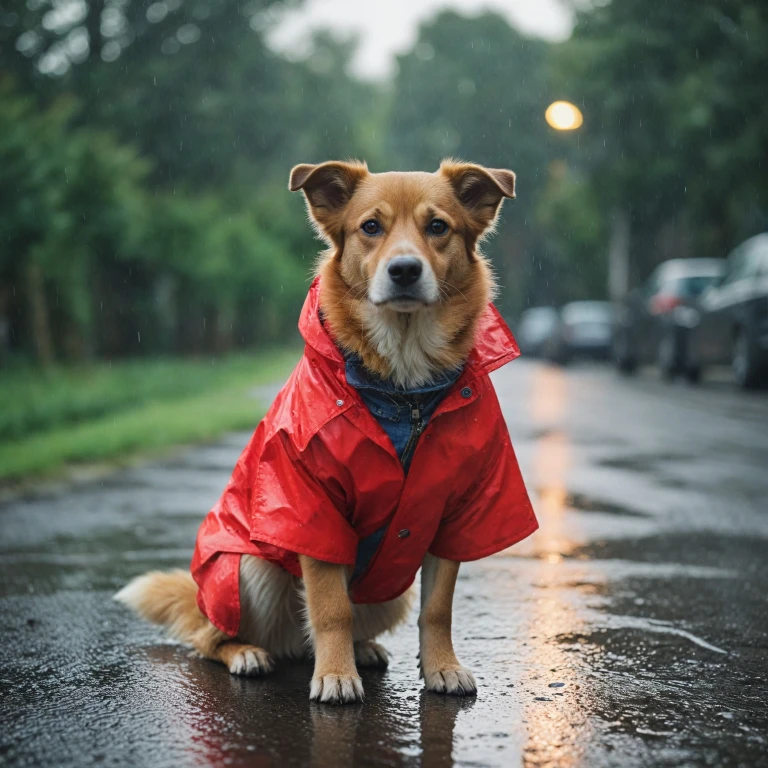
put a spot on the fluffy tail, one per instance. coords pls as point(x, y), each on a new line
point(167, 598)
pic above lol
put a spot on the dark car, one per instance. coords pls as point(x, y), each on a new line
point(733, 323)
point(652, 323)
point(585, 329)
point(535, 328)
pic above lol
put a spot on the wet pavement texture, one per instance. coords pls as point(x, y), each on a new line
point(631, 630)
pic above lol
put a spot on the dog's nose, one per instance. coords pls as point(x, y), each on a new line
point(405, 270)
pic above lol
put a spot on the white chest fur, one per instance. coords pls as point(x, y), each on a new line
point(410, 342)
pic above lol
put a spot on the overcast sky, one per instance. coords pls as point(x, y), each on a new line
point(389, 27)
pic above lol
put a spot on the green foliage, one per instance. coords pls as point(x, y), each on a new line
point(121, 264)
point(31, 402)
point(675, 123)
point(573, 255)
point(138, 408)
point(161, 182)
point(60, 188)
point(68, 197)
point(473, 88)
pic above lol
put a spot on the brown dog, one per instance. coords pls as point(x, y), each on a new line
point(403, 289)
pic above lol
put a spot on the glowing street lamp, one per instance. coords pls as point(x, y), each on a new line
point(563, 116)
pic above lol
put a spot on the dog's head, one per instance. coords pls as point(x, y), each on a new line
point(403, 244)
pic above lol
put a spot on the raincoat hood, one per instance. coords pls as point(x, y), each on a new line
point(320, 474)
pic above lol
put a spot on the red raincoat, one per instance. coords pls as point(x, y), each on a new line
point(320, 473)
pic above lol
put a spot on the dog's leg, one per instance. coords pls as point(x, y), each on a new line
point(271, 609)
point(373, 619)
point(439, 665)
point(243, 659)
point(329, 610)
point(370, 654)
point(170, 599)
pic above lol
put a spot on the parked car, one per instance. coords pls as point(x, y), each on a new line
point(652, 323)
point(584, 329)
point(733, 323)
point(535, 328)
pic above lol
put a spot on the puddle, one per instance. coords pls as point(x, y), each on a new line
point(644, 462)
point(582, 503)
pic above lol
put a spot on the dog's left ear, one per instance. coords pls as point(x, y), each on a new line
point(480, 190)
point(328, 188)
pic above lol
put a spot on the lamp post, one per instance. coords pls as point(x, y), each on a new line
point(564, 116)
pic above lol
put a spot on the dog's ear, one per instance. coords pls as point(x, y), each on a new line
point(328, 188)
point(480, 190)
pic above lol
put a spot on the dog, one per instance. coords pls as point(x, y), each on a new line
point(385, 452)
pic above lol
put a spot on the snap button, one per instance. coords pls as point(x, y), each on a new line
point(339, 403)
point(466, 392)
point(404, 534)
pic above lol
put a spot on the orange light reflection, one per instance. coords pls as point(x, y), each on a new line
point(554, 726)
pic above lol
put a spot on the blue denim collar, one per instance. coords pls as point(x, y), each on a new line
point(361, 378)
point(387, 401)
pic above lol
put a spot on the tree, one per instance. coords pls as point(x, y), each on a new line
point(192, 242)
point(68, 199)
point(675, 125)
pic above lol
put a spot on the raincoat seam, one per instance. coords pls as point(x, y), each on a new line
point(302, 445)
point(300, 550)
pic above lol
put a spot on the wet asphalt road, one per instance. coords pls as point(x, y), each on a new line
point(631, 630)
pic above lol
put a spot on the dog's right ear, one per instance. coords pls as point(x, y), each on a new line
point(480, 190)
point(328, 188)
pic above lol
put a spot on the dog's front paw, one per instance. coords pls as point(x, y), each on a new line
point(370, 654)
point(454, 680)
point(251, 661)
point(336, 689)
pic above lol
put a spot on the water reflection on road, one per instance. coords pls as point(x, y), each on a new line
point(554, 732)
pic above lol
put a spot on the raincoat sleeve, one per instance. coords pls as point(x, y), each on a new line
point(293, 509)
point(493, 514)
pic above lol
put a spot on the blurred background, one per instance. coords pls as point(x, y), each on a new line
point(150, 251)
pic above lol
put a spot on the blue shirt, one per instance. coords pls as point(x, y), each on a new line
point(403, 415)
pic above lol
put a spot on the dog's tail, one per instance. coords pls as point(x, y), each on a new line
point(167, 598)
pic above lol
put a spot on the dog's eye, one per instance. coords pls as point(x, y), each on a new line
point(437, 227)
point(371, 227)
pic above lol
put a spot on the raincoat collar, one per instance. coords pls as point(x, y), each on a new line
point(495, 345)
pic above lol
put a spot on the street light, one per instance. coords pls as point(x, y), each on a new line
point(563, 116)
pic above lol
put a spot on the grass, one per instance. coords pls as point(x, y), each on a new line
point(104, 413)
